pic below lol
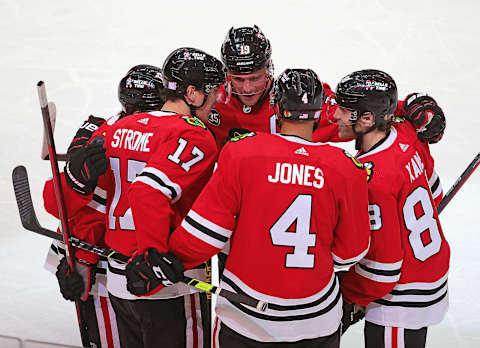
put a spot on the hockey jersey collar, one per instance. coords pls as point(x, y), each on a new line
point(297, 139)
point(162, 113)
point(385, 145)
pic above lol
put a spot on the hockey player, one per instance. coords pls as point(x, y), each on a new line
point(285, 254)
point(245, 104)
point(402, 281)
point(89, 221)
point(159, 162)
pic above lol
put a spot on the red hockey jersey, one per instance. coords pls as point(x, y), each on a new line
point(290, 209)
point(260, 118)
point(158, 164)
point(403, 277)
point(406, 132)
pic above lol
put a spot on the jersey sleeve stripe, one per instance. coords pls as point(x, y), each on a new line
point(160, 181)
point(97, 206)
point(338, 261)
point(100, 193)
point(208, 236)
point(384, 266)
point(209, 225)
point(376, 275)
point(435, 185)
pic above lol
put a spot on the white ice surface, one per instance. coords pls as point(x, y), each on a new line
point(82, 49)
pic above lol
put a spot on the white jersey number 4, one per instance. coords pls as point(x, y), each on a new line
point(299, 211)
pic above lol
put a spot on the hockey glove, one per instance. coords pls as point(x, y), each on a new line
point(84, 133)
point(75, 285)
point(148, 273)
point(426, 117)
point(86, 165)
point(352, 314)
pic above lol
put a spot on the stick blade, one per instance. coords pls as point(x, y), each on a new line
point(24, 199)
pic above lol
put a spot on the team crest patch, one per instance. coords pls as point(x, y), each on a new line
point(396, 119)
point(214, 118)
point(369, 169)
point(367, 166)
point(193, 121)
point(242, 136)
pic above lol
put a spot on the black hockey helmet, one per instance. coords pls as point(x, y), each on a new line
point(298, 95)
point(151, 71)
point(140, 89)
point(246, 50)
point(190, 66)
point(367, 91)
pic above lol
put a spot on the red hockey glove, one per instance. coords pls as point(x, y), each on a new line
point(86, 165)
point(150, 272)
point(76, 284)
point(426, 117)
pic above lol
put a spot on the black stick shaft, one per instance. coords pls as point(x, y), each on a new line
point(459, 183)
point(62, 209)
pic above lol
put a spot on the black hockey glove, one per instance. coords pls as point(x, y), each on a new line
point(148, 273)
point(426, 117)
point(86, 165)
point(75, 285)
point(352, 314)
point(84, 133)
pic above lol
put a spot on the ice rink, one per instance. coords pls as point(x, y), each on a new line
point(82, 49)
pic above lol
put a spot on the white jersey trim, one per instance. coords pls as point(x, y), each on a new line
point(286, 319)
point(385, 145)
point(160, 181)
point(295, 139)
point(206, 230)
point(411, 305)
point(338, 261)
point(435, 185)
point(379, 271)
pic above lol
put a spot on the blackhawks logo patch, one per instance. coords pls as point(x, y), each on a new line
point(240, 136)
point(367, 166)
point(193, 121)
point(397, 119)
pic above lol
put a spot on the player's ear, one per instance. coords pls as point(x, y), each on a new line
point(190, 94)
point(367, 120)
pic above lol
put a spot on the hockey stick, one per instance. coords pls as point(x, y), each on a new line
point(30, 222)
point(62, 210)
point(52, 110)
point(459, 183)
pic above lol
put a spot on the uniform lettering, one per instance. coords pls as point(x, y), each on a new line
point(297, 174)
point(129, 139)
point(415, 167)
